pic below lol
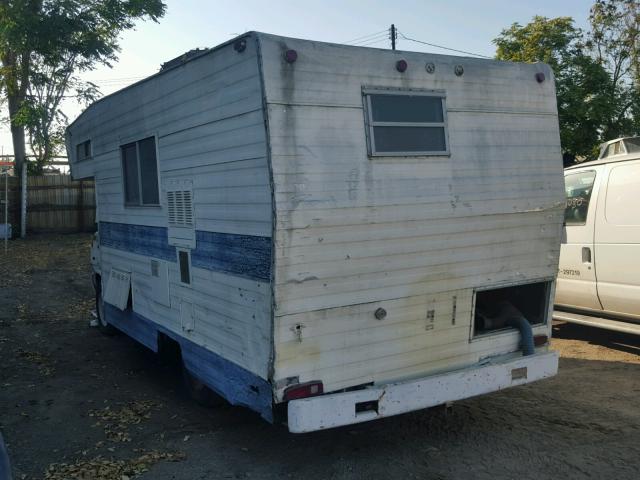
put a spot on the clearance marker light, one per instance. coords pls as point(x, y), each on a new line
point(290, 56)
point(303, 390)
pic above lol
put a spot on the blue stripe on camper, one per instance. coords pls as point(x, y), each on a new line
point(237, 385)
point(243, 255)
point(140, 239)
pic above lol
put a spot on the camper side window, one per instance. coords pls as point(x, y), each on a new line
point(83, 150)
point(140, 173)
point(403, 123)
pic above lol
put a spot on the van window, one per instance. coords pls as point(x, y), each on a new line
point(140, 173)
point(403, 123)
point(623, 195)
point(578, 187)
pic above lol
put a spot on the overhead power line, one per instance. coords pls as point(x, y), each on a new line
point(385, 39)
point(371, 40)
point(365, 37)
point(441, 46)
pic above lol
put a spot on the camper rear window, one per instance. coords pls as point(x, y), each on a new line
point(83, 150)
point(140, 173)
point(404, 123)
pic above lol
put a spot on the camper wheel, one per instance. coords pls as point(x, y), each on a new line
point(199, 392)
point(103, 326)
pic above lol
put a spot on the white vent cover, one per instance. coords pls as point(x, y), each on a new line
point(180, 208)
point(180, 213)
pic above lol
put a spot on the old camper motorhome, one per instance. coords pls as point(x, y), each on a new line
point(599, 274)
point(351, 232)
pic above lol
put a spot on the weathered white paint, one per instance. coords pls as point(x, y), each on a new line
point(355, 233)
point(207, 115)
point(329, 411)
point(279, 150)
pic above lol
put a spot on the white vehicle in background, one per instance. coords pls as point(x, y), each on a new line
point(599, 274)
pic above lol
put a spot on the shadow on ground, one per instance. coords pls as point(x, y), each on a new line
point(72, 396)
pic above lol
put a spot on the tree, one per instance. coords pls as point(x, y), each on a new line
point(44, 43)
point(581, 82)
point(614, 42)
point(41, 115)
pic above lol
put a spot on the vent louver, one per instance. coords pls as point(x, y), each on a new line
point(180, 208)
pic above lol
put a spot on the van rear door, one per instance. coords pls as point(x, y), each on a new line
point(576, 285)
point(617, 239)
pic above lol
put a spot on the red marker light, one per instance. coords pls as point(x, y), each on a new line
point(402, 65)
point(303, 390)
point(290, 56)
point(539, 340)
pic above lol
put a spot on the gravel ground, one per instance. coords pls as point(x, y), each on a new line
point(75, 404)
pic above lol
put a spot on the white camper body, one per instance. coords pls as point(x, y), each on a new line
point(323, 221)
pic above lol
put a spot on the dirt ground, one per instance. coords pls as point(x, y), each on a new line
point(77, 404)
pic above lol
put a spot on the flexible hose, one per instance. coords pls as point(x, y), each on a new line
point(514, 318)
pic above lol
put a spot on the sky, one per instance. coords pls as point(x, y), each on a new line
point(468, 25)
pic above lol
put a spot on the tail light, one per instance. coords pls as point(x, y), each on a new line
point(539, 340)
point(303, 390)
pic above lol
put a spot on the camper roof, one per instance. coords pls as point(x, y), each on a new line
point(199, 53)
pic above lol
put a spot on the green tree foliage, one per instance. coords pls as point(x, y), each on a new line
point(44, 44)
point(614, 41)
point(579, 78)
point(597, 72)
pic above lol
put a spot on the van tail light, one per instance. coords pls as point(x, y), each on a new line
point(303, 390)
point(540, 340)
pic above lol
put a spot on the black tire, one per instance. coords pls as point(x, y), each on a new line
point(199, 392)
point(103, 326)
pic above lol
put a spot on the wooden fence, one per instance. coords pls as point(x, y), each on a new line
point(55, 203)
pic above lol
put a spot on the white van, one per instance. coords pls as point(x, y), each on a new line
point(599, 274)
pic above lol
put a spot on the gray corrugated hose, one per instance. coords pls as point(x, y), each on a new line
point(514, 318)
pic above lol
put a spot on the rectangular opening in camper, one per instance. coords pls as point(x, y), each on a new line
point(406, 123)
point(140, 173)
point(493, 307)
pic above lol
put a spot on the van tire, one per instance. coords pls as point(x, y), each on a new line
point(103, 326)
point(199, 392)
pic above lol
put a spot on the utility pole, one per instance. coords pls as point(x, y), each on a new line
point(394, 35)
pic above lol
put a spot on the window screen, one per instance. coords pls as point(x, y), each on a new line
point(406, 123)
point(578, 188)
point(83, 150)
point(140, 173)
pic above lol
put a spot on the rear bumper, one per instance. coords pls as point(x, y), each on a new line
point(335, 410)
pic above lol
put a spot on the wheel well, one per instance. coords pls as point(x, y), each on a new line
point(96, 279)
point(169, 350)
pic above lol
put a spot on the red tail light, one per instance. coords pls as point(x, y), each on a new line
point(539, 340)
point(303, 390)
